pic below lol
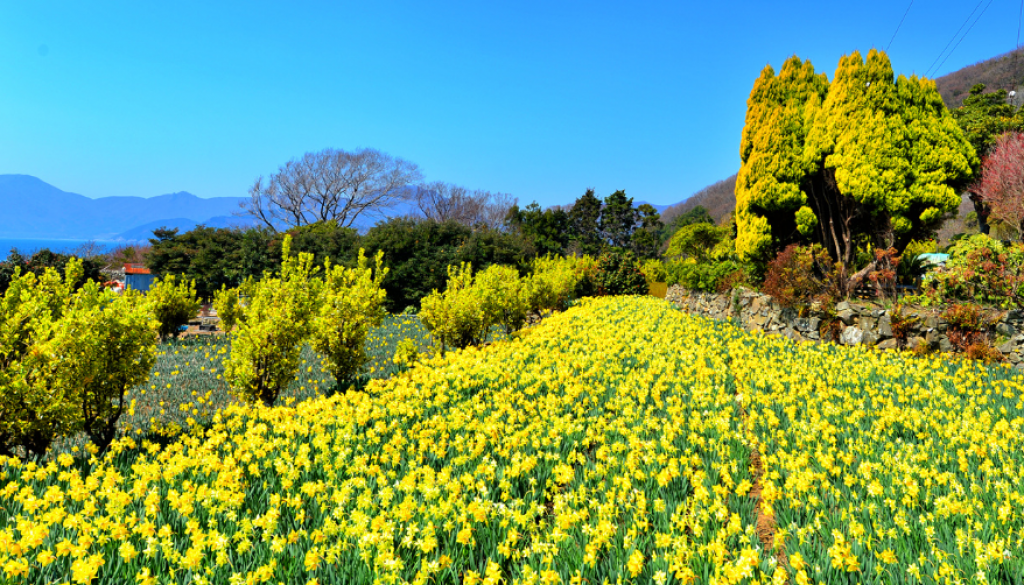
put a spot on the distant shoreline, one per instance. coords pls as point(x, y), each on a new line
point(28, 246)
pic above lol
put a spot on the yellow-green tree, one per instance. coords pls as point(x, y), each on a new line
point(67, 357)
point(173, 303)
point(351, 302)
point(276, 322)
point(868, 159)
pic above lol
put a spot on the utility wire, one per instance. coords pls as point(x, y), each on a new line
point(954, 37)
point(964, 36)
point(905, 17)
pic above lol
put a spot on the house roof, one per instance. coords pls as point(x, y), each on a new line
point(136, 269)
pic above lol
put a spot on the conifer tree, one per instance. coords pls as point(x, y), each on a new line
point(868, 159)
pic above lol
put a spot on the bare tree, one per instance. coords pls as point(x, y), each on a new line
point(440, 201)
point(331, 185)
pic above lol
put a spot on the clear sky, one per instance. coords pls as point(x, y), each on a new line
point(537, 99)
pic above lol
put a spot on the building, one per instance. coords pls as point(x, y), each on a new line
point(137, 277)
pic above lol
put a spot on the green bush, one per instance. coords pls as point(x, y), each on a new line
point(708, 276)
point(617, 274)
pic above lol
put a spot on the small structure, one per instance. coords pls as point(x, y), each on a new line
point(137, 277)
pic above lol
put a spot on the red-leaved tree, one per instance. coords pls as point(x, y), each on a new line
point(1002, 181)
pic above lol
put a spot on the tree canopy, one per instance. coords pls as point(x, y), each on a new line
point(865, 159)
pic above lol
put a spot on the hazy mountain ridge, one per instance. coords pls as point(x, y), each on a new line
point(33, 208)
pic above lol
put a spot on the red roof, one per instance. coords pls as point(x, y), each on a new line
point(136, 269)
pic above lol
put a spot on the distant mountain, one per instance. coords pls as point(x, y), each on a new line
point(32, 208)
point(145, 231)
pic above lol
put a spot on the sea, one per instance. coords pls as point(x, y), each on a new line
point(26, 247)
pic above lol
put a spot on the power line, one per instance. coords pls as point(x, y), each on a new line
point(964, 36)
point(980, 2)
point(901, 24)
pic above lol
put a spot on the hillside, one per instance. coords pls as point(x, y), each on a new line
point(1000, 72)
point(719, 199)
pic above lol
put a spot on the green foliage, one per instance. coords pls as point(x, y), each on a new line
point(983, 117)
point(210, 257)
point(265, 347)
point(646, 238)
point(505, 297)
point(617, 274)
point(173, 303)
point(546, 230)
point(67, 358)
point(618, 220)
point(228, 304)
point(708, 276)
point(352, 301)
point(698, 214)
point(42, 260)
point(555, 282)
point(653, 270)
point(866, 160)
point(980, 270)
point(697, 241)
point(456, 317)
point(584, 220)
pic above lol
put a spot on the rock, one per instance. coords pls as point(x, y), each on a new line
point(887, 344)
point(1005, 329)
point(806, 323)
point(867, 323)
point(913, 342)
point(931, 336)
point(1007, 347)
point(944, 344)
point(846, 315)
point(884, 327)
point(869, 338)
point(1013, 358)
point(852, 335)
point(843, 306)
point(930, 322)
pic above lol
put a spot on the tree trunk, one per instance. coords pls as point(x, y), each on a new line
point(981, 209)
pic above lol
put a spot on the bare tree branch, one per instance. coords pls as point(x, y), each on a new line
point(331, 185)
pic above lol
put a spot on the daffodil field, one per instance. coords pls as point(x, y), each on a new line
point(614, 442)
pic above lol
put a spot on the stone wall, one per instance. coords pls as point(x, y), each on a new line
point(859, 322)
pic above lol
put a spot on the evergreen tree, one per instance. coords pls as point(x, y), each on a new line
point(646, 239)
point(583, 224)
point(618, 220)
point(867, 159)
point(983, 117)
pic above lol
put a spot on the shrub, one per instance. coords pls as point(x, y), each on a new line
point(228, 306)
point(505, 297)
point(455, 317)
point(351, 302)
point(265, 347)
point(555, 282)
point(901, 324)
point(617, 274)
point(799, 276)
point(980, 270)
point(966, 325)
point(67, 358)
point(653, 270)
point(173, 303)
point(707, 276)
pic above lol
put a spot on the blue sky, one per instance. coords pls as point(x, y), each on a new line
point(537, 99)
